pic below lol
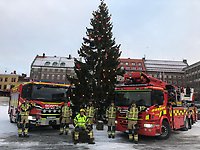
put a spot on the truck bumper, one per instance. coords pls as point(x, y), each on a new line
point(149, 129)
point(45, 121)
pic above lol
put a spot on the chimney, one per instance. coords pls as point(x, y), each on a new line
point(185, 61)
point(70, 56)
point(43, 55)
point(14, 72)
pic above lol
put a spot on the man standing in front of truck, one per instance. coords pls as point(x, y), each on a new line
point(132, 116)
point(66, 115)
point(23, 122)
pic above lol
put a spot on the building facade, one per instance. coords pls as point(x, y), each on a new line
point(129, 65)
point(52, 69)
point(169, 71)
point(8, 81)
point(192, 77)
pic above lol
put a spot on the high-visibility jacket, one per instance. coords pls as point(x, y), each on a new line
point(111, 112)
point(90, 111)
point(24, 109)
point(132, 114)
point(80, 121)
point(66, 112)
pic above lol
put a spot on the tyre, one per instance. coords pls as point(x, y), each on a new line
point(11, 117)
point(165, 131)
point(186, 125)
point(189, 123)
point(56, 127)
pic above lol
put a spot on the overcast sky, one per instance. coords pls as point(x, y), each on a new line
point(157, 29)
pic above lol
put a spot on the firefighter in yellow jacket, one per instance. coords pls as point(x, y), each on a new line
point(80, 122)
point(132, 116)
point(111, 117)
point(23, 122)
point(66, 114)
point(90, 111)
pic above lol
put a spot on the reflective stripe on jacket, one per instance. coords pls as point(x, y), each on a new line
point(111, 112)
point(132, 113)
point(66, 112)
point(80, 121)
point(24, 109)
point(90, 111)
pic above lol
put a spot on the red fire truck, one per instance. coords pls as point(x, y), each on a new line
point(160, 104)
point(47, 98)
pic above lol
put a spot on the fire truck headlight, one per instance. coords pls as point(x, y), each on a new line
point(44, 111)
point(59, 110)
point(31, 118)
point(147, 125)
point(49, 110)
point(54, 110)
point(115, 121)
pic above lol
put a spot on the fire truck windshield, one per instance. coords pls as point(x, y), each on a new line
point(45, 92)
point(141, 98)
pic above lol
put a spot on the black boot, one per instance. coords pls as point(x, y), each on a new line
point(20, 135)
point(91, 141)
point(26, 135)
point(75, 142)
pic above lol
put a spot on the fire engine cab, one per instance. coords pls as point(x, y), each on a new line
point(163, 107)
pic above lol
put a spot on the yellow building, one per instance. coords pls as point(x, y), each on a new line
point(7, 81)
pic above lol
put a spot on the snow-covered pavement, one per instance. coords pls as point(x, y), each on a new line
point(47, 138)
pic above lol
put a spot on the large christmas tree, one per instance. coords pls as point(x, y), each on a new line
point(96, 74)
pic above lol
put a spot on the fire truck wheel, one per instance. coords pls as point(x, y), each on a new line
point(11, 117)
point(189, 123)
point(166, 131)
point(186, 124)
point(56, 127)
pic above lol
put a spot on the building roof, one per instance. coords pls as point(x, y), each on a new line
point(165, 65)
point(53, 61)
point(192, 66)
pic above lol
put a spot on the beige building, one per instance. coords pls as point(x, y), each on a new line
point(7, 81)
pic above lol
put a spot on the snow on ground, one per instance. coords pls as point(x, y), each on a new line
point(6, 128)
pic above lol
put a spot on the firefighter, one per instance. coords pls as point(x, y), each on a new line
point(111, 116)
point(80, 122)
point(132, 117)
point(90, 111)
point(23, 122)
point(66, 114)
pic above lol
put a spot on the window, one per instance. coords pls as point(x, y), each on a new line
point(1, 79)
point(5, 87)
point(126, 63)
point(139, 68)
point(42, 76)
point(133, 63)
point(52, 77)
point(62, 64)
point(139, 64)
point(0, 87)
point(63, 77)
point(58, 77)
point(47, 63)
point(47, 76)
point(6, 79)
point(55, 64)
point(12, 86)
point(13, 80)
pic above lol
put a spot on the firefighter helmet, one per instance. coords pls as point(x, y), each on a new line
point(82, 110)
